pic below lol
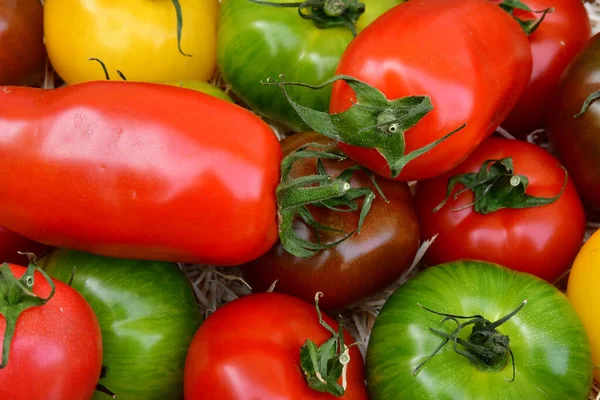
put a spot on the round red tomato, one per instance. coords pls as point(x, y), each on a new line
point(562, 34)
point(541, 240)
point(11, 244)
point(361, 265)
point(56, 348)
point(250, 349)
point(447, 50)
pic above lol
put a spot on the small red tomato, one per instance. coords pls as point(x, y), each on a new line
point(361, 265)
point(250, 349)
point(11, 244)
point(485, 224)
point(56, 347)
point(561, 35)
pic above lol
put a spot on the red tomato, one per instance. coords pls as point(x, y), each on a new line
point(445, 49)
point(138, 170)
point(56, 349)
point(561, 36)
point(541, 240)
point(11, 244)
point(250, 349)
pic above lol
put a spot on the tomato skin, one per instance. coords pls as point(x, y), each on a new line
point(576, 139)
point(255, 42)
point(260, 358)
point(156, 303)
point(473, 76)
point(22, 51)
point(11, 244)
point(582, 292)
point(541, 240)
point(137, 37)
point(127, 171)
point(203, 87)
point(56, 351)
point(545, 334)
point(562, 35)
point(359, 266)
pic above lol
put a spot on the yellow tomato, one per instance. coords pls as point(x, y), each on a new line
point(137, 37)
point(583, 291)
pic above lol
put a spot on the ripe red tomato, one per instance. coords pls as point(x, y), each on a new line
point(56, 349)
point(250, 349)
point(361, 265)
point(11, 244)
point(541, 240)
point(561, 35)
point(138, 170)
point(445, 49)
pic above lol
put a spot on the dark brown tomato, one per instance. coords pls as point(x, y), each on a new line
point(358, 267)
point(22, 50)
point(577, 140)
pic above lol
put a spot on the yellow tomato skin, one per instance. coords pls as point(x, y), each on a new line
point(137, 37)
point(583, 290)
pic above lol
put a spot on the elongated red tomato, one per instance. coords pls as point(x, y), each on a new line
point(469, 56)
point(138, 170)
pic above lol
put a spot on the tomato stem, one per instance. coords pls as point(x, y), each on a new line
point(372, 122)
point(17, 296)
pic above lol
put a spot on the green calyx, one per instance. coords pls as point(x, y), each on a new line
point(106, 74)
point(325, 13)
point(324, 365)
point(16, 296)
point(485, 347)
point(495, 187)
point(587, 103)
point(372, 122)
point(529, 26)
point(294, 196)
point(179, 25)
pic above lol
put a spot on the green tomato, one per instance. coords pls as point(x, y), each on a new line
point(148, 316)
point(551, 351)
point(203, 87)
point(257, 41)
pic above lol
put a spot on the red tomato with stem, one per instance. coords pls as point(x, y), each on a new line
point(12, 244)
point(260, 357)
point(56, 347)
point(560, 36)
point(542, 239)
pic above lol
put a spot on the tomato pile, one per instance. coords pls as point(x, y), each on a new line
point(330, 150)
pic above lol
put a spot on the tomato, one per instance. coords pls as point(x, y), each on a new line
point(542, 239)
point(549, 344)
point(576, 139)
point(562, 34)
point(256, 41)
point(56, 347)
point(362, 264)
point(583, 294)
point(148, 316)
point(12, 244)
point(138, 170)
point(203, 87)
point(260, 357)
point(22, 51)
point(139, 38)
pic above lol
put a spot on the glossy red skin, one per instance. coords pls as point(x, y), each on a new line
point(577, 140)
point(447, 50)
point(138, 170)
point(11, 244)
point(22, 50)
point(56, 351)
point(561, 36)
point(541, 240)
point(356, 268)
point(250, 349)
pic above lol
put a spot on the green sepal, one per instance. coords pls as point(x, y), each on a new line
point(16, 296)
point(179, 25)
point(372, 122)
point(587, 103)
point(495, 187)
point(529, 26)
